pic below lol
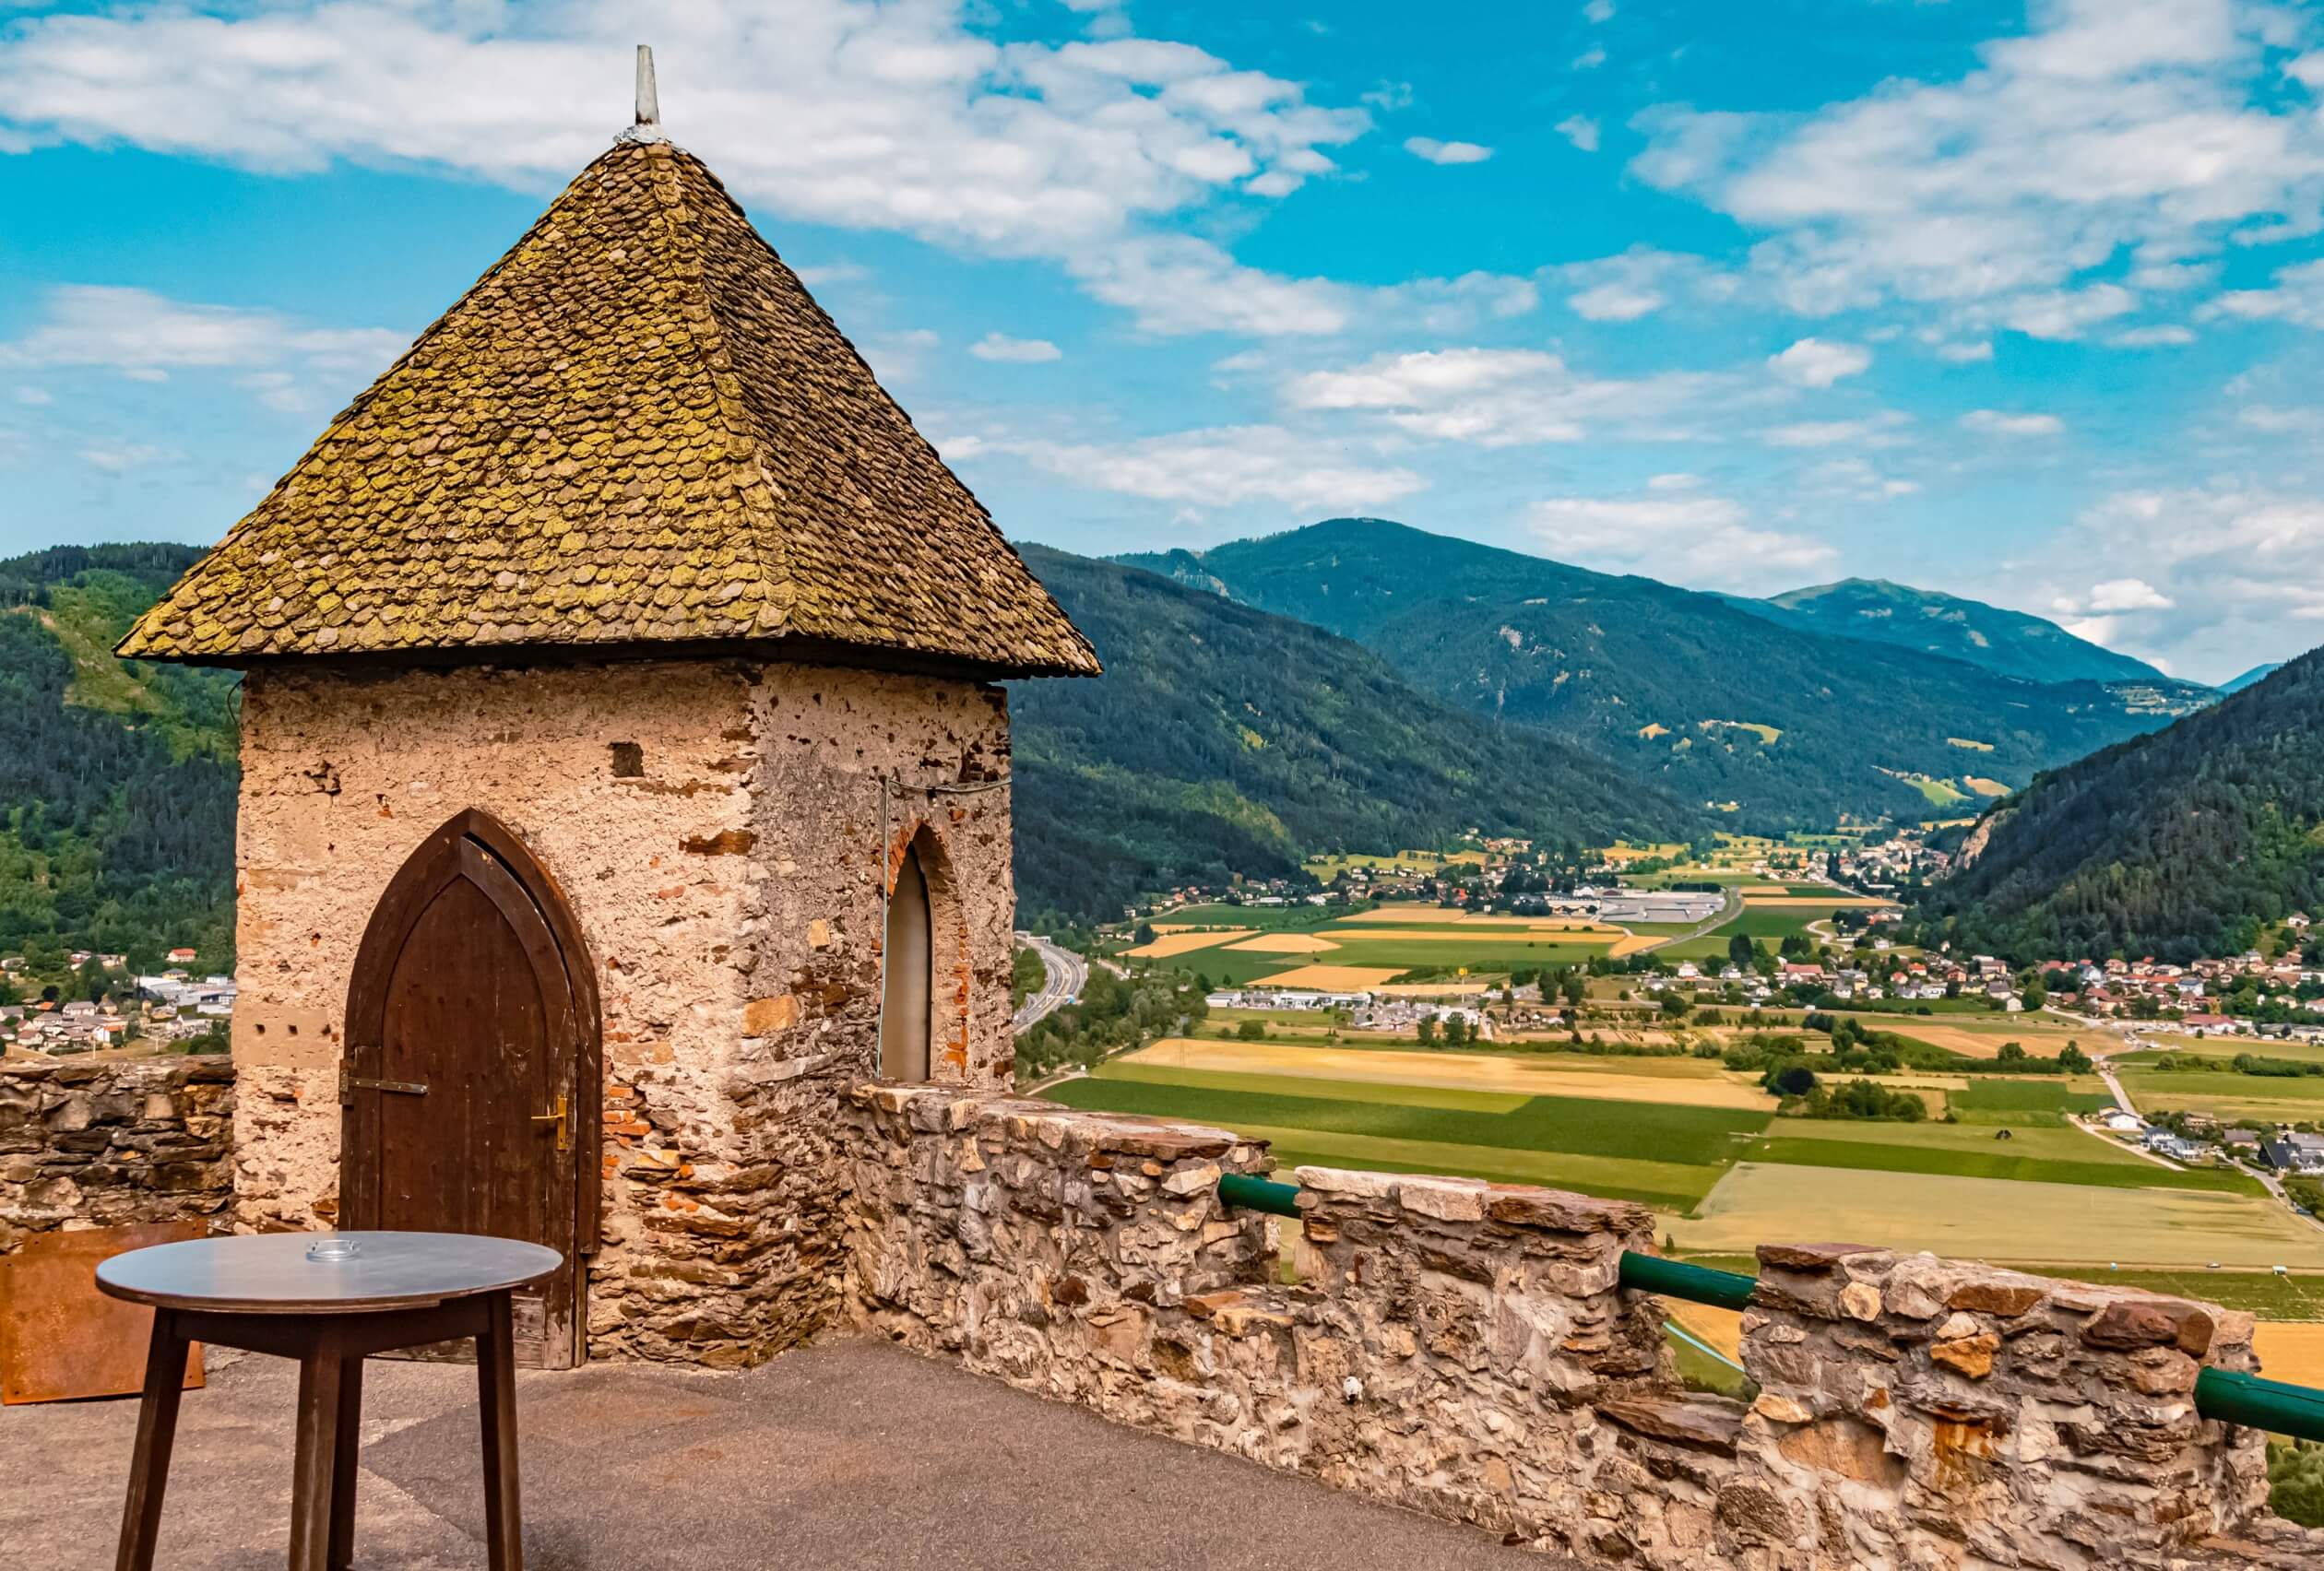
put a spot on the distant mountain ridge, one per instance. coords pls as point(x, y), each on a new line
point(2180, 845)
point(2256, 673)
point(1716, 703)
point(1225, 739)
point(2011, 642)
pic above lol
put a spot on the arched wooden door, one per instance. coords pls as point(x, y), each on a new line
point(469, 1088)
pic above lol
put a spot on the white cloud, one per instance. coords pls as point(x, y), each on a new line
point(2146, 125)
point(1223, 466)
point(1878, 431)
point(1499, 398)
point(2281, 421)
point(1638, 282)
point(1022, 351)
point(1820, 363)
point(2000, 422)
point(1704, 538)
point(1976, 353)
point(34, 395)
point(1598, 11)
point(119, 457)
point(1437, 152)
point(854, 113)
point(2155, 337)
point(2228, 574)
point(136, 330)
point(1580, 130)
point(2297, 297)
point(2063, 313)
point(290, 365)
point(1591, 58)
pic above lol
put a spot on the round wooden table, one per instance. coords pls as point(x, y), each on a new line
point(264, 1293)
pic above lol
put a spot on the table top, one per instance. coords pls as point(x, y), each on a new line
point(268, 1273)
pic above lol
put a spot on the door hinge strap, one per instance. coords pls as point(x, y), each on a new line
point(350, 1085)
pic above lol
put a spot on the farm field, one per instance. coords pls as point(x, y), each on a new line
point(1997, 1219)
point(1532, 1074)
point(1702, 1145)
point(1239, 946)
point(2227, 1095)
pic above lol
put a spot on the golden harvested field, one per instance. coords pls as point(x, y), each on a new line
point(1466, 934)
point(1434, 989)
point(1433, 916)
point(1996, 1219)
point(1640, 853)
point(2041, 1041)
point(1778, 891)
point(1985, 787)
point(2291, 1350)
point(1167, 944)
point(1334, 978)
point(1832, 902)
point(1286, 943)
point(1631, 945)
point(1468, 1071)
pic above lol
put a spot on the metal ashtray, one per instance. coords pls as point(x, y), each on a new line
point(334, 1248)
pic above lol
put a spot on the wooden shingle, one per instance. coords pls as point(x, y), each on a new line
point(637, 429)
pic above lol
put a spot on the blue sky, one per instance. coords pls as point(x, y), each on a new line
point(2017, 301)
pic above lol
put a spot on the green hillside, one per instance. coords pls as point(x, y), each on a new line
point(2009, 642)
point(1223, 738)
point(117, 778)
point(1683, 689)
point(2182, 844)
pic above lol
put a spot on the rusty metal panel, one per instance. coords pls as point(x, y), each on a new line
point(60, 1337)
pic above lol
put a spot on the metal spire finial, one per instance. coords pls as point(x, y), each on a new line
point(647, 127)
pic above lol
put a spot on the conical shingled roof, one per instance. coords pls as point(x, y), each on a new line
point(637, 429)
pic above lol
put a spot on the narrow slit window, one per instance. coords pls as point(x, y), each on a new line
point(904, 1001)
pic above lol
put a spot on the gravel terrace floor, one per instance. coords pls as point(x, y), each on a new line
point(848, 1455)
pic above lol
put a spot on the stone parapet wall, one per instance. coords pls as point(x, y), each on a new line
point(108, 1142)
point(1464, 1349)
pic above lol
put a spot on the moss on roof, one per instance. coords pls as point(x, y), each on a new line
point(636, 429)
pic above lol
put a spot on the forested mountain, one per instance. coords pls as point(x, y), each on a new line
point(1225, 740)
point(1717, 705)
point(2257, 673)
point(2179, 845)
point(117, 778)
point(2009, 642)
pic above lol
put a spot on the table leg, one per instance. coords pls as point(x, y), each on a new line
point(496, 1389)
point(347, 1445)
point(157, 1431)
point(317, 1464)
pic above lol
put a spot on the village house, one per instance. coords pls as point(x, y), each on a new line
point(625, 776)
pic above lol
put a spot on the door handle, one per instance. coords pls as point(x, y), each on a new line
point(557, 1117)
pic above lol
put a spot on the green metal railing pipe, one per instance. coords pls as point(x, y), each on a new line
point(1676, 1279)
point(2233, 1398)
point(1249, 1193)
point(2224, 1395)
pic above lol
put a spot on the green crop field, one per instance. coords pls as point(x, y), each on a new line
point(2168, 1085)
point(1995, 1160)
point(1990, 1099)
point(1582, 1125)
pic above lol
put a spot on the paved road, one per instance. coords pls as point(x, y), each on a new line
point(1067, 974)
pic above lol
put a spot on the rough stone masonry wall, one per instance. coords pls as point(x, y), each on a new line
point(1464, 1349)
point(105, 1143)
point(724, 863)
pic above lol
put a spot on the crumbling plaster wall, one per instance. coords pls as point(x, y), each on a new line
point(726, 866)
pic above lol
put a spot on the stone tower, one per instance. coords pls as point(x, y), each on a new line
point(619, 694)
